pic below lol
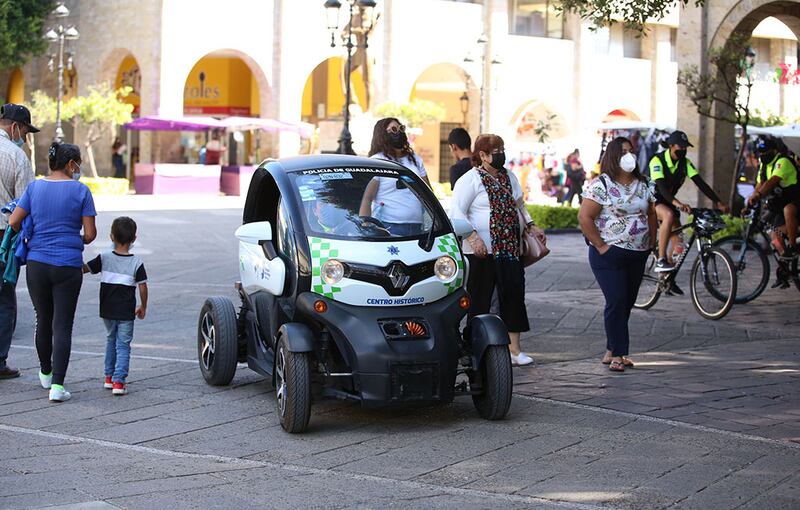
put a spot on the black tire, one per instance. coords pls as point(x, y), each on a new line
point(752, 270)
point(650, 288)
point(292, 388)
point(497, 382)
point(719, 282)
point(217, 341)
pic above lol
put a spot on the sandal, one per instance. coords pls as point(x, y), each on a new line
point(625, 361)
point(616, 366)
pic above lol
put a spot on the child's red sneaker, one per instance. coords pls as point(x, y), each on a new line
point(119, 389)
point(108, 384)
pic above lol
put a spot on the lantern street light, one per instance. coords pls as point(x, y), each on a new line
point(464, 100)
point(360, 10)
point(59, 34)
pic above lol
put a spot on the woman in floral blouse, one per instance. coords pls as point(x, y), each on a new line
point(618, 219)
point(489, 197)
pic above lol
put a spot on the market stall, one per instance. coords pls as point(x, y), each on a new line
point(199, 177)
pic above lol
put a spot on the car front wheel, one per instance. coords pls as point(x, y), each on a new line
point(497, 383)
point(292, 388)
point(217, 341)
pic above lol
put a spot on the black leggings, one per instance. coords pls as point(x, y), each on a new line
point(54, 291)
point(508, 276)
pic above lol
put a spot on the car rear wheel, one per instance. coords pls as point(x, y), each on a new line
point(497, 383)
point(292, 388)
point(217, 341)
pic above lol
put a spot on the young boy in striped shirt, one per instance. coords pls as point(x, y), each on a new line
point(120, 273)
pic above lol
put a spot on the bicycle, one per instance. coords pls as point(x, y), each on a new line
point(750, 253)
point(712, 271)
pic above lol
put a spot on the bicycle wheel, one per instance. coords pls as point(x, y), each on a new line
point(713, 276)
point(752, 267)
point(650, 289)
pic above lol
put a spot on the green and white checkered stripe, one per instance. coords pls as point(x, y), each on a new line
point(321, 251)
point(448, 245)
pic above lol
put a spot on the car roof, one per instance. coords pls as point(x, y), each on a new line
point(309, 162)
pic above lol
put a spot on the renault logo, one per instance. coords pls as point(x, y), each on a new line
point(397, 276)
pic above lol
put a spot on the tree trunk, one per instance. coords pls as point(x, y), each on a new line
point(735, 180)
point(90, 138)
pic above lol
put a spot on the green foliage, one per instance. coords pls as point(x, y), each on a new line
point(106, 185)
point(413, 114)
point(441, 189)
point(554, 217)
point(632, 13)
point(43, 108)
point(762, 118)
point(21, 24)
point(102, 107)
point(544, 126)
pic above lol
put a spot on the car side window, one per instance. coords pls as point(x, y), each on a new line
point(284, 235)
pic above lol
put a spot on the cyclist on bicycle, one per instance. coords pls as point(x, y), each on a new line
point(669, 169)
point(776, 182)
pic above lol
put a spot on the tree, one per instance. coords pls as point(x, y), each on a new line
point(724, 92)
point(99, 112)
point(633, 13)
point(414, 113)
point(21, 23)
point(543, 127)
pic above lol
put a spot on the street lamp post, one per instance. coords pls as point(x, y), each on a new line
point(482, 40)
point(59, 34)
point(364, 10)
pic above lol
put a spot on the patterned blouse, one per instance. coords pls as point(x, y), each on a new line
point(623, 220)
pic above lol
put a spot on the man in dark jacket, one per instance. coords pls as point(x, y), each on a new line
point(461, 147)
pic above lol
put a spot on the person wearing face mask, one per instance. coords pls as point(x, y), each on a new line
point(15, 175)
point(777, 181)
point(618, 219)
point(60, 207)
point(397, 208)
point(490, 198)
point(669, 169)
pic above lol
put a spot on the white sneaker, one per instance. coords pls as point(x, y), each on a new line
point(45, 380)
point(521, 359)
point(59, 395)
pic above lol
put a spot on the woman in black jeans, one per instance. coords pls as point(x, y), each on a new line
point(51, 214)
point(618, 218)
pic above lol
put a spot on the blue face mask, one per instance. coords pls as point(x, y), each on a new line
point(19, 142)
point(77, 174)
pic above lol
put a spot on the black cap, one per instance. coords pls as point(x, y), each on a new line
point(18, 113)
point(679, 138)
point(766, 143)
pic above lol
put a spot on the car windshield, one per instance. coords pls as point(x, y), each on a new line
point(366, 203)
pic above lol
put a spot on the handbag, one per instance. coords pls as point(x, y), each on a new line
point(531, 248)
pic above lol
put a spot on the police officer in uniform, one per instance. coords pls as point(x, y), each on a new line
point(669, 169)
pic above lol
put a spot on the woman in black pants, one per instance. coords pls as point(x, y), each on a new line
point(618, 218)
point(51, 214)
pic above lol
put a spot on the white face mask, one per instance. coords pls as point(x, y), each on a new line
point(628, 163)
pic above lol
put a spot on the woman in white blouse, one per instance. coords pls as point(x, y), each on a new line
point(489, 197)
point(397, 208)
point(618, 218)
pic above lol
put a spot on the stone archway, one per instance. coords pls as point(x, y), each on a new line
point(718, 142)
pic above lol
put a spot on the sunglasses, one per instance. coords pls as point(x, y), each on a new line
point(396, 129)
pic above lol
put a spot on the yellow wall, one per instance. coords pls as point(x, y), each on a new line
point(226, 88)
point(129, 75)
point(16, 87)
point(335, 91)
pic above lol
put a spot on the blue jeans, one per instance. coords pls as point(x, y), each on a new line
point(118, 349)
point(619, 273)
point(8, 316)
point(403, 229)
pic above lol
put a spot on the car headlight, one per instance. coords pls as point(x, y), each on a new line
point(445, 268)
point(332, 272)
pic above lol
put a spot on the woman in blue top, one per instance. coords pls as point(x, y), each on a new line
point(59, 207)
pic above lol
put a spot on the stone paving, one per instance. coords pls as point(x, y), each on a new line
point(707, 419)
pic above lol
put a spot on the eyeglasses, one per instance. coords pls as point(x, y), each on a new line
point(396, 129)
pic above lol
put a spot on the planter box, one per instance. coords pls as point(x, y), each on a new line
point(166, 179)
point(235, 180)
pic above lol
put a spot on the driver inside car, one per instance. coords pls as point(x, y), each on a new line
point(333, 220)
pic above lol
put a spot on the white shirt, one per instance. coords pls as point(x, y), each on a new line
point(15, 173)
point(471, 202)
point(394, 205)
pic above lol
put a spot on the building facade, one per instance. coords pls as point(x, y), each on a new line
point(499, 66)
